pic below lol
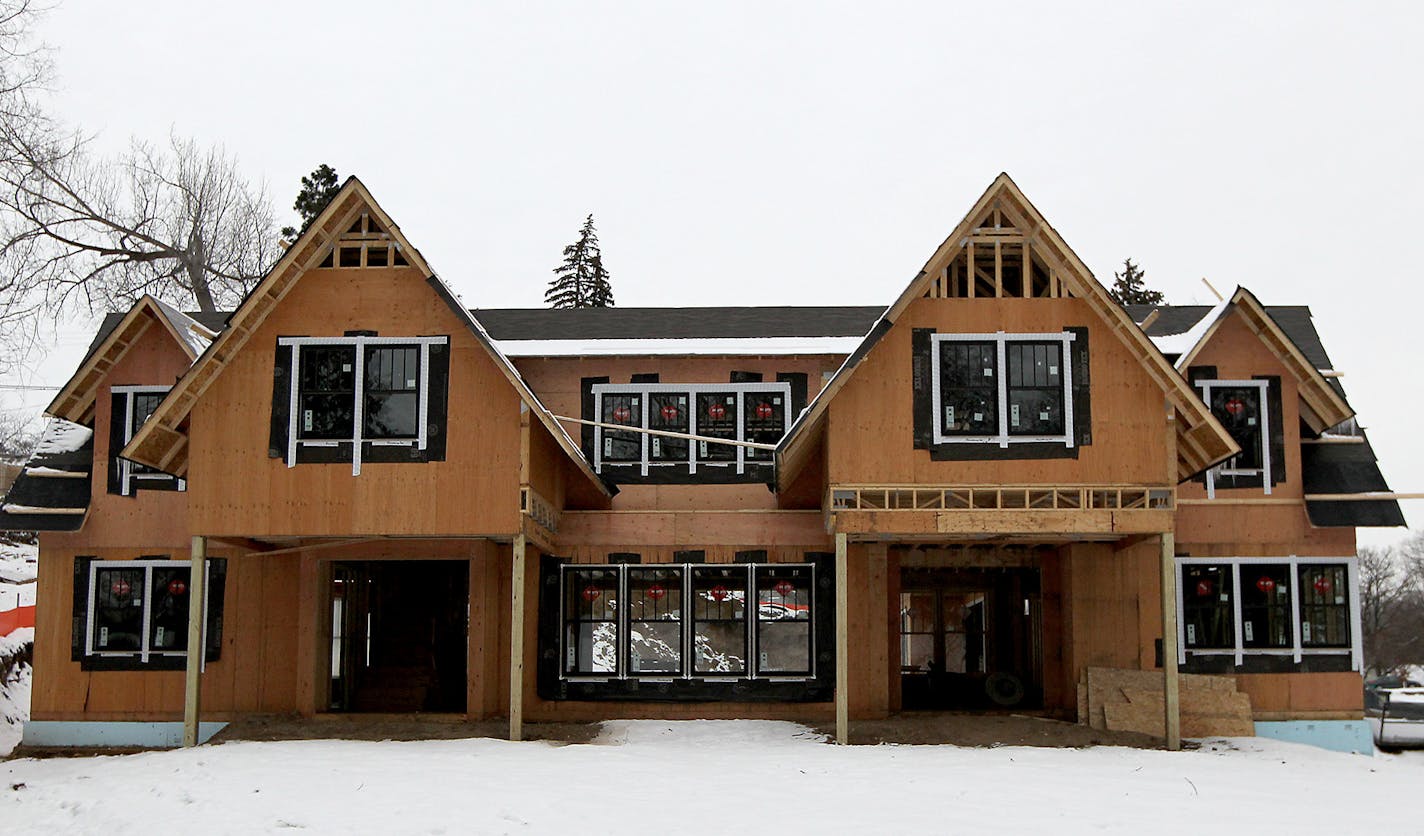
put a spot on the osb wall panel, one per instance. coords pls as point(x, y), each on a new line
point(237, 490)
point(153, 360)
point(682, 529)
point(1111, 612)
point(1303, 694)
point(546, 464)
point(556, 380)
point(253, 674)
point(871, 427)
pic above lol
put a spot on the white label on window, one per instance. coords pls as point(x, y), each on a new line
point(573, 656)
point(1250, 422)
point(158, 637)
point(949, 415)
point(1249, 633)
point(1043, 416)
point(1191, 634)
point(657, 446)
point(138, 602)
point(103, 636)
point(1225, 597)
point(763, 659)
point(1053, 370)
point(988, 372)
point(1339, 599)
point(702, 449)
point(776, 401)
point(346, 367)
point(1305, 632)
point(607, 447)
point(307, 420)
point(978, 416)
point(410, 382)
point(1014, 414)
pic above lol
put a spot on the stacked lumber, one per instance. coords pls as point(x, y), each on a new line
point(1116, 699)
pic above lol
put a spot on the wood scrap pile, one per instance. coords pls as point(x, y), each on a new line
point(1127, 700)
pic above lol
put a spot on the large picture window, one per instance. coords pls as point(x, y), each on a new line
point(1287, 607)
point(628, 621)
point(132, 406)
point(759, 413)
point(353, 396)
point(1002, 388)
point(1243, 409)
point(134, 613)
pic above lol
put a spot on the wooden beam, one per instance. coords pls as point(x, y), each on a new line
point(969, 270)
point(197, 615)
point(842, 641)
point(998, 270)
point(516, 641)
point(1171, 698)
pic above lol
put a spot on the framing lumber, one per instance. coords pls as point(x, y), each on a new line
point(197, 616)
point(1171, 702)
point(516, 641)
point(842, 641)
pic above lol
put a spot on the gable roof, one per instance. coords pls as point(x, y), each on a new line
point(52, 491)
point(161, 441)
point(75, 400)
point(1202, 441)
point(1322, 400)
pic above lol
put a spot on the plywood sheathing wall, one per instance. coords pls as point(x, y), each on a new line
point(1131, 701)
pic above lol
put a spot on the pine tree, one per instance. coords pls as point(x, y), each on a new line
point(581, 280)
point(318, 188)
point(1129, 289)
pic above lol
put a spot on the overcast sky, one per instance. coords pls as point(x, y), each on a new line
point(817, 153)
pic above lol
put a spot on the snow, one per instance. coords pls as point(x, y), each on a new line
point(679, 347)
point(15, 508)
point(61, 436)
point(705, 776)
point(18, 562)
point(1184, 342)
point(50, 471)
point(14, 689)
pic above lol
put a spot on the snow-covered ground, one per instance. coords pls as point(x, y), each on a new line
point(14, 689)
point(710, 777)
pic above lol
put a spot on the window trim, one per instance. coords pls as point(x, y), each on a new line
point(358, 395)
point(692, 390)
point(1003, 438)
point(1265, 433)
point(751, 622)
point(148, 565)
point(1297, 650)
point(127, 476)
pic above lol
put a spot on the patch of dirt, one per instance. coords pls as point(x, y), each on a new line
point(987, 729)
point(395, 727)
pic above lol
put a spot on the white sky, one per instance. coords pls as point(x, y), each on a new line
point(817, 153)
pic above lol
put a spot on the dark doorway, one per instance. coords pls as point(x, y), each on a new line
point(399, 635)
point(969, 639)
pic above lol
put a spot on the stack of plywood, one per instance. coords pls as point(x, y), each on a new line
point(1127, 700)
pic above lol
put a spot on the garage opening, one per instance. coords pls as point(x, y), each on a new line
point(399, 636)
point(970, 639)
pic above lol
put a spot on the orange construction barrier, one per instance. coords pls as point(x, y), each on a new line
point(12, 620)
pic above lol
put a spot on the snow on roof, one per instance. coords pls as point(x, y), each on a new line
point(678, 347)
point(54, 472)
point(192, 332)
point(1181, 344)
point(61, 436)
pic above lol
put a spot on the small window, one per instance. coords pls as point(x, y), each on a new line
point(1241, 407)
point(717, 418)
point(783, 620)
point(1266, 606)
point(326, 401)
point(137, 609)
point(1207, 608)
point(1324, 606)
point(655, 620)
point(1002, 388)
point(591, 622)
point(132, 406)
point(622, 410)
point(669, 412)
point(392, 406)
point(719, 617)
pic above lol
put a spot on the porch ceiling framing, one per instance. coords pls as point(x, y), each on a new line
point(162, 441)
point(1203, 440)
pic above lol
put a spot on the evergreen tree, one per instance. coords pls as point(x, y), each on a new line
point(581, 280)
point(318, 188)
point(1129, 289)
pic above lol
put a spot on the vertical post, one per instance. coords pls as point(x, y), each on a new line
point(842, 642)
point(516, 641)
point(197, 615)
point(1171, 698)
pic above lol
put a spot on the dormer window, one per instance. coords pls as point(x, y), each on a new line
point(131, 406)
point(1002, 388)
point(1242, 407)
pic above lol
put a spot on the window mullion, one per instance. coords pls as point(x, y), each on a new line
point(644, 444)
point(1352, 599)
point(357, 388)
point(936, 389)
point(1002, 378)
point(125, 469)
point(147, 593)
point(741, 432)
point(292, 408)
point(1065, 363)
point(1181, 622)
point(1294, 565)
point(692, 430)
point(1263, 432)
point(1236, 612)
point(620, 618)
point(424, 396)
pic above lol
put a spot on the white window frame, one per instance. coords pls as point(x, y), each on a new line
point(127, 476)
point(752, 615)
point(148, 566)
point(1297, 649)
point(359, 394)
point(1001, 339)
point(1225, 468)
point(692, 390)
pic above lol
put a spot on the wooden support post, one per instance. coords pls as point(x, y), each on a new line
point(197, 615)
point(842, 642)
point(998, 268)
point(516, 642)
point(1171, 698)
point(969, 268)
point(1027, 269)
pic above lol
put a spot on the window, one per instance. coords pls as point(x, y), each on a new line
point(131, 406)
point(1291, 607)
point(1242, 408)
point(755, 413)
point(1002, 388)
point(136, 610)
point(646, 638)
point(360, 398)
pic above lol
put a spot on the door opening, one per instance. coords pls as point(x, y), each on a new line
point(970, 638)
point(399, 633)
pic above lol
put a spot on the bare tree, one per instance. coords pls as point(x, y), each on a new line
point(1392, 605)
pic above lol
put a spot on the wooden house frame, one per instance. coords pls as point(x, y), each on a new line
point(823, 514)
